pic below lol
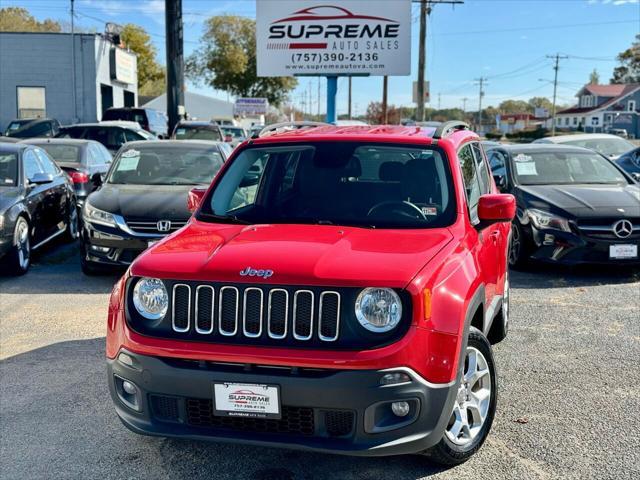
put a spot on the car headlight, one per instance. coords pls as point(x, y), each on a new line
point(93, 215)
point(150, 298)
point(546, 220)
point(378, 309)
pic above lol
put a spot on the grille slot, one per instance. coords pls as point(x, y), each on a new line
point(181, 307)
point(152, 227)
point(205, 305)
point(329, 315)
point(228, 314)
point(294, 421)
point(303, 315)
point(252, 312)
point(165, 408)
point(278, 313)
point(339, 423)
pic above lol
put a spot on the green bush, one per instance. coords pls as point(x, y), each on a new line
point(493, 135)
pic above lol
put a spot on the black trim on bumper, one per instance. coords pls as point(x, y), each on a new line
point(303, 394)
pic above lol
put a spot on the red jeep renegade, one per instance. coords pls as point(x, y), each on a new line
point(337, 289)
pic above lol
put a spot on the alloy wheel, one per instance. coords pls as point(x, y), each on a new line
point(73, 223)
point(471, 407)
point(22, 244)
point(516, 245)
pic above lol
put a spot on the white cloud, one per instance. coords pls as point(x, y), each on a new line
point(154, 9)
point(613, 2)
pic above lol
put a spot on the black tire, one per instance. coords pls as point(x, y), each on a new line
point(72, 231)
point(500, 325)
point(448, 453)
point(19, 257)
point(519, 247)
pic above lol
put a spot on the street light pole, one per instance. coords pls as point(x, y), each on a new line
point(175, 62)
point(73, 64)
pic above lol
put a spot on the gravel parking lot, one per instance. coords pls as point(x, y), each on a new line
point(568, 405)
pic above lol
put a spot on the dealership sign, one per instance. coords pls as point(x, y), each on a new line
point(123, 66)
point(250, 106)
point(342, 37)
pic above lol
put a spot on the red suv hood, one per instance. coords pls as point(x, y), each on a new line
point(297, 254)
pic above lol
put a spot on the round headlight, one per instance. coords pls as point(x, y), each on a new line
point(378, 309)
point(150, 298)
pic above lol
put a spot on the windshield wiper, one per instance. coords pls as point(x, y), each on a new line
point(226, 218)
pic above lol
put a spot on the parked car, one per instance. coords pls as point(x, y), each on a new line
point(234, 135)
point(620, 132)
point(191, 130)
point(342, 300)
point(611, 146)
point(32, 128)
point(574, 205)
point(85, 161)
point(37, 204)
point(255, 130)
point(153, 121)
point(110, 134)
point(143, 199)
point(630, 162)
point(9, 140)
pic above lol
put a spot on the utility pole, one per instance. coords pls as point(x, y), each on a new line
point(425, 10)
point(439, 100)
point(175, 61)
point(73, 64)
point(385, 87)
point(349, 112)
point(557, 58)
point(464, 104)
point(481, 81)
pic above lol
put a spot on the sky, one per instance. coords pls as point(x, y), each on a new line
point(504, 41)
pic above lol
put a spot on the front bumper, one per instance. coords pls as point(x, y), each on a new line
point(334, 411)
point(111, 246)
point(568, 248)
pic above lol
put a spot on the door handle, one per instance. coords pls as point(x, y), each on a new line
point(495, 235)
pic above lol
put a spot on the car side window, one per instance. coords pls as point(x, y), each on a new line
point(31, 164)
point(470, 178)
point(48, 165)
point(483, 171)
point(106, 155)
point(131, 136)
point(496, 160)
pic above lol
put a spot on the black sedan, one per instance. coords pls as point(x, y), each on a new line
point(85, 161)
point(37, 204)
point(143, 199)
point(630, 162)
point(574, 205)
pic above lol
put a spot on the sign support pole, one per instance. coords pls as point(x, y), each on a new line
point(332, 90)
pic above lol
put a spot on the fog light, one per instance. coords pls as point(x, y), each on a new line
point(400, 409)
point(394, 378)
point(129, 387)
point(97, 248)
point(548, 239)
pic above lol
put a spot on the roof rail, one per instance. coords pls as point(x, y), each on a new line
point(284, 126)
point(447, 127)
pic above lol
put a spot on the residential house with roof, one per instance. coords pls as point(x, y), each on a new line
point(601, 108)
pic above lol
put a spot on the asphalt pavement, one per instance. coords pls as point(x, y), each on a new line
point(568, 407)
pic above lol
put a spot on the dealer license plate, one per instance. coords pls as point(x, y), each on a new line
point(246, 400)
point(623, 251)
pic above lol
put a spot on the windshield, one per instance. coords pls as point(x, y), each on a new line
point(234, 132)
point(550, 168)
point(339, 183)
point(8, 169)
point(193, 132)
point(63, 153)
point(146, 135)
point(16, 124)
point(610, 147)
point(165, 165)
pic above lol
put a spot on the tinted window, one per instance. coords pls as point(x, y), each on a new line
point(166, 165)
point(483, 171)
point(195, 132)
point(131, 136)
point(48, 166)
point(40, 129)
point(94, 155)
point(606, 146)
point(341, 183)
point(496, 160)
point(470, 177)
point(72, 132)
point(108, 136)
point(63, 153)
point(8, 169)
point(549, 168)
point(31, 164)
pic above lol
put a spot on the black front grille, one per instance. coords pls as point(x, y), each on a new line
point(339, 423)
point(154, 227)
point(603, 229)
point(303, 315)
point(181, 307)
point(294, 421)
point(165, 408)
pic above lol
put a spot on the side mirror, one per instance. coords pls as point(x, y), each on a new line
point(496, 208)
point(501, 181)
point(40, 178)
point(195, 198)
point(96, 179)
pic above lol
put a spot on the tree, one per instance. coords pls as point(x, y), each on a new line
point(594, 78)
point(629, 69)
point(514, 106)
point(151, 75)
point(17, 19)
point(540, 102)
point(226, 60)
